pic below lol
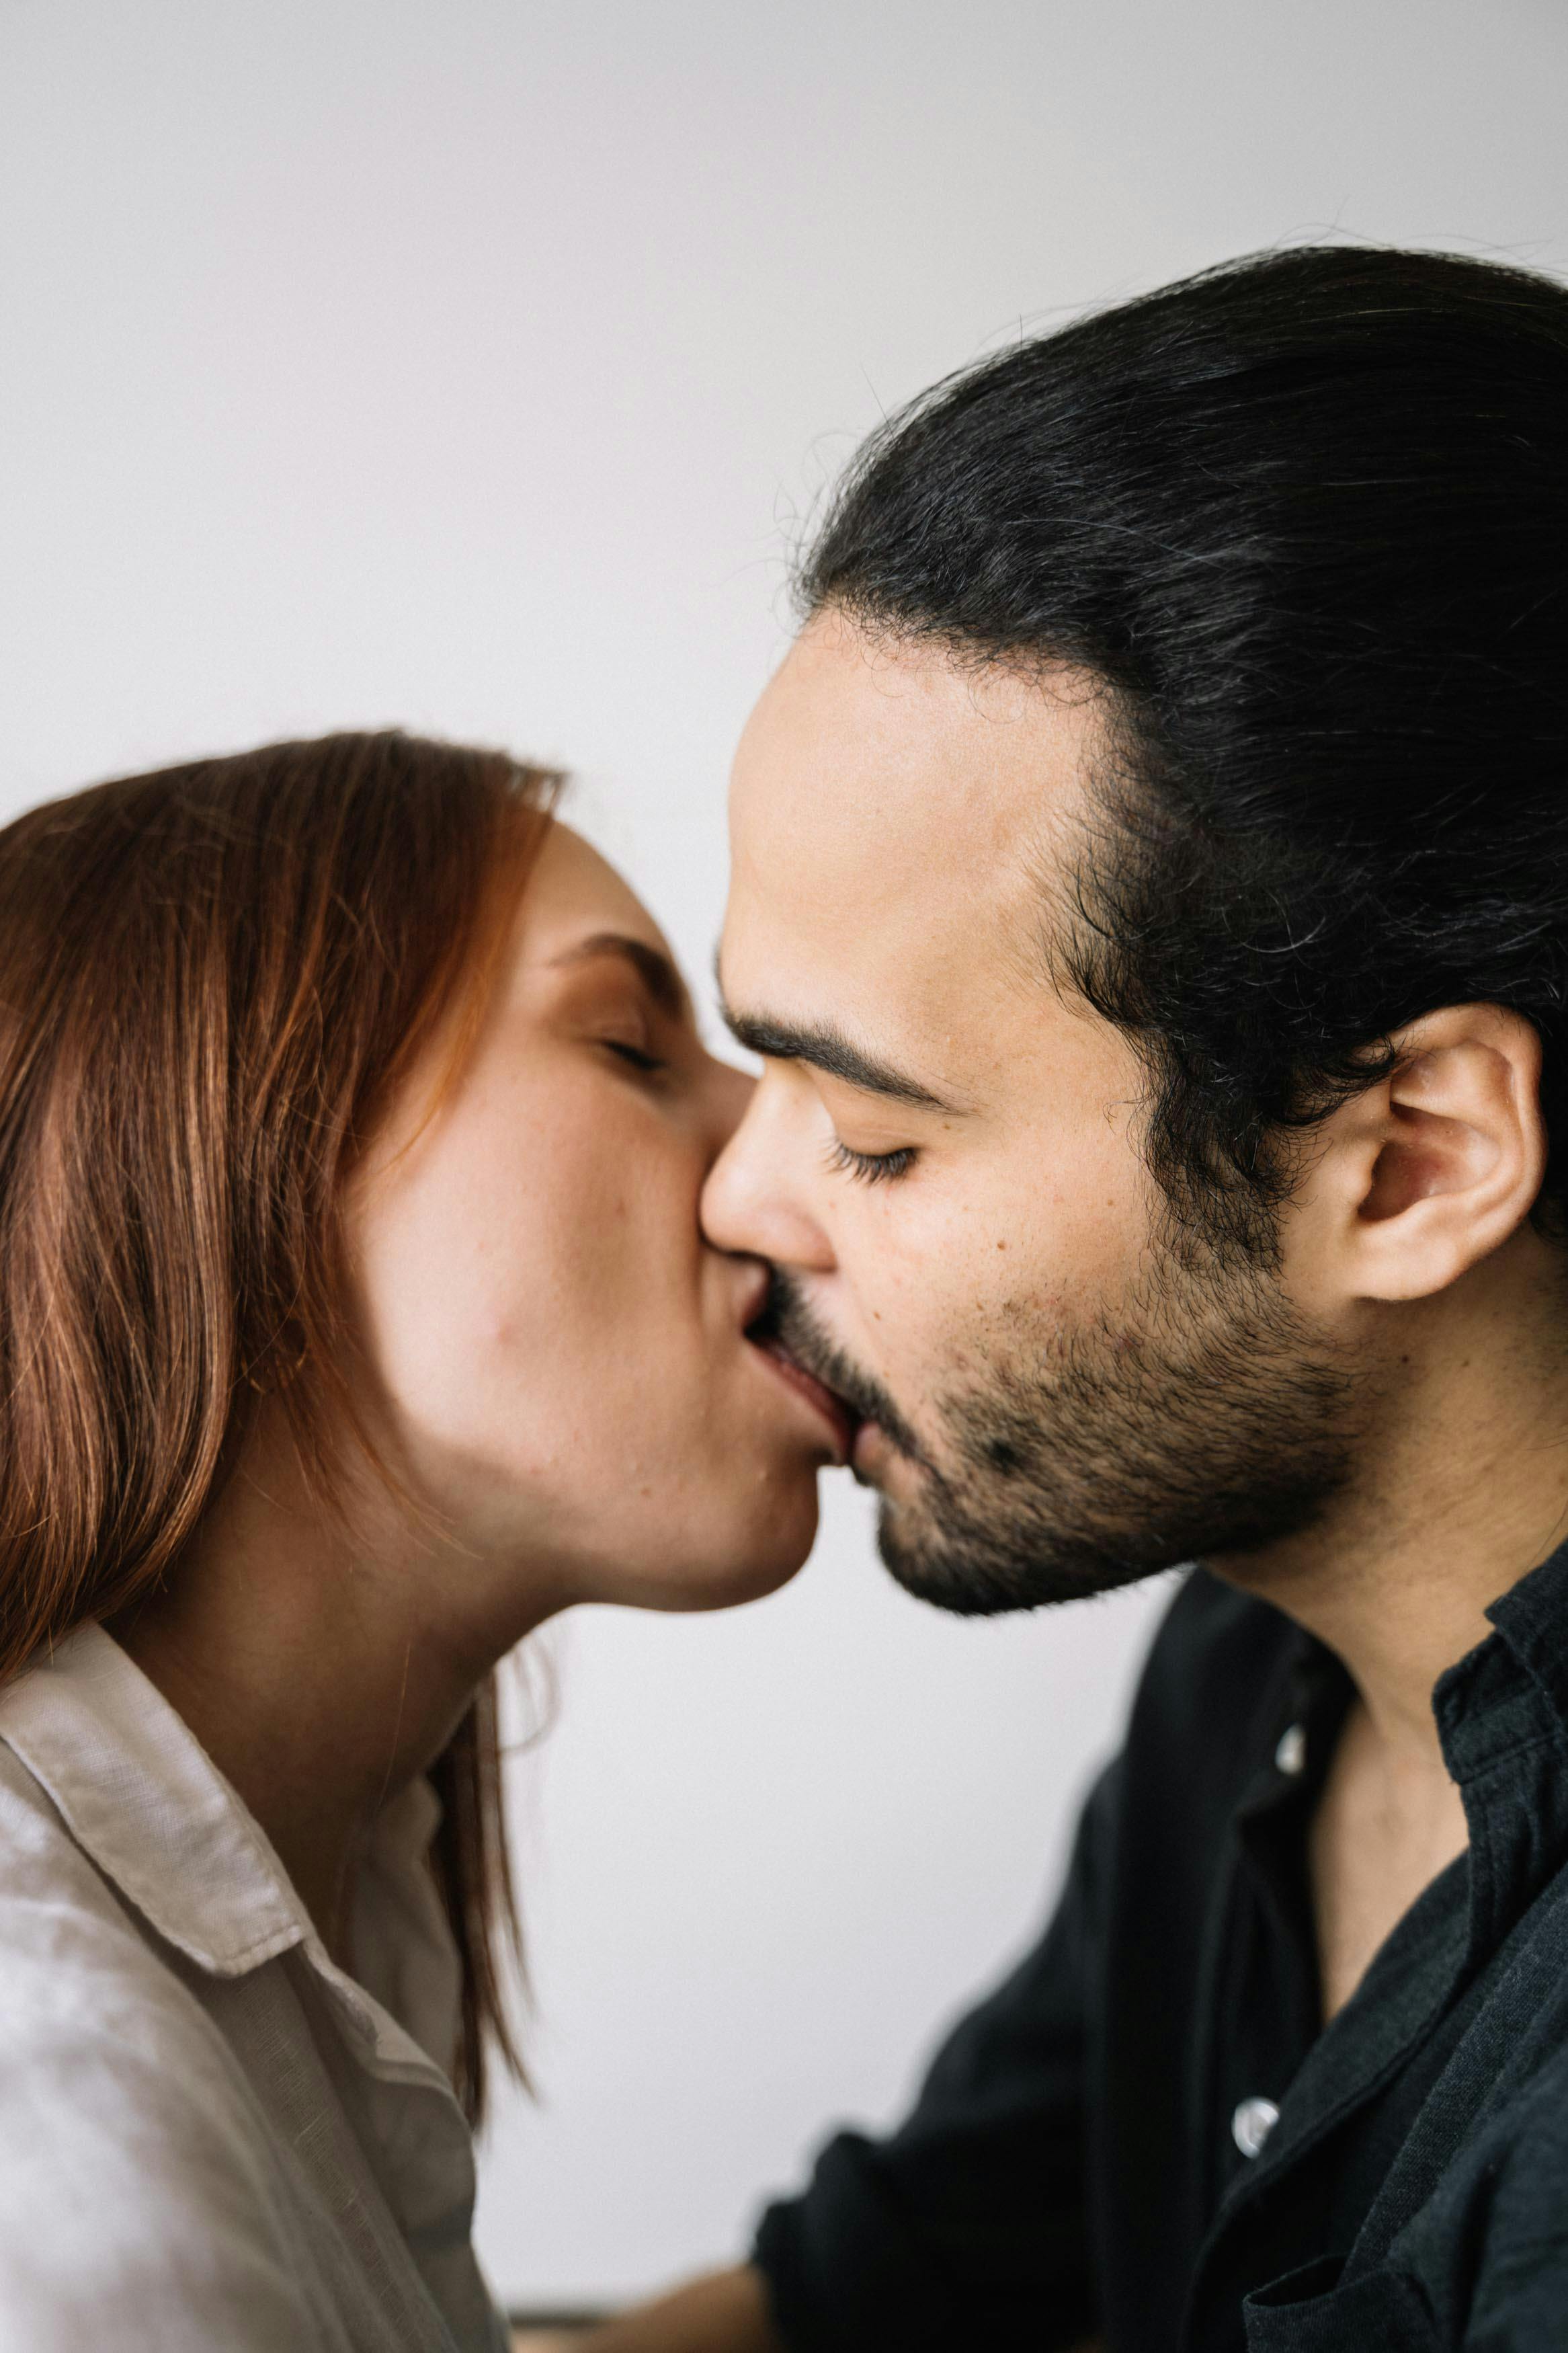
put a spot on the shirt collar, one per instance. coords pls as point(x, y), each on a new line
point(141, 1795)
point(1511, 1691)
point(144, 1801)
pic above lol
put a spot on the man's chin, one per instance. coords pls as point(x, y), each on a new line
point(969, 1577)
point(943, 1551)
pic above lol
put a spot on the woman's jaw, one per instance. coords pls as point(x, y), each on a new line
point(560, 1361)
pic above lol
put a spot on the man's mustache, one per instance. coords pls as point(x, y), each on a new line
point(786, 1319)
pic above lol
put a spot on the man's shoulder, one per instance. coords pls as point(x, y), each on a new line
point(1490, 2244)
point(1214, 1629)
point(1221, 1662)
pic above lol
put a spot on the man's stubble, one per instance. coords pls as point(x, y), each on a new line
point(1200, 1418)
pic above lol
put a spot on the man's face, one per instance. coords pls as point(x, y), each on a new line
point(943, 1159)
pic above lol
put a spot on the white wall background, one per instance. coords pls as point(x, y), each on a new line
point(466, 364)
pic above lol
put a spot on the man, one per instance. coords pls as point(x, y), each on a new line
point(1151, 904)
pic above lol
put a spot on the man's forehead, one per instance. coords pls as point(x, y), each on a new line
point(893, 808)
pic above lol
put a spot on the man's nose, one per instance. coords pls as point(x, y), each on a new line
point(749, 1204)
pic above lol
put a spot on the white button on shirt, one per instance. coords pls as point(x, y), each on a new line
point(1253, 2122)
point(210, 2137)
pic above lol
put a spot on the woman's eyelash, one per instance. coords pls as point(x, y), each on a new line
point(869, 1168)
point(635, 1055)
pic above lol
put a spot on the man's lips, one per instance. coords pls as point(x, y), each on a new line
point(841, 1418)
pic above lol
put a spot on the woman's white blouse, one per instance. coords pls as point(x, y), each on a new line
point(211, 2137)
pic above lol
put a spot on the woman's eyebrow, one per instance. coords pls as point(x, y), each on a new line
point(653, 968)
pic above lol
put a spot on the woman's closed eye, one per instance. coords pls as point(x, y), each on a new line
point(637, 1056)
point(869, 1168)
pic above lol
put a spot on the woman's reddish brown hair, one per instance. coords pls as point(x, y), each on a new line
point(211, 978)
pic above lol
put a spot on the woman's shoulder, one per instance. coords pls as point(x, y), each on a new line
point(56, 1907)
point(130, 2152)
point(88, 1994)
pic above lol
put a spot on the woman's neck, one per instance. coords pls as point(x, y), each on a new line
point(303, 1654)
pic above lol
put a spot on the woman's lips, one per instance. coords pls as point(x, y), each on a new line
point(841, 1418)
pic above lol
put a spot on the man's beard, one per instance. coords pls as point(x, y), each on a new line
point(1202, 1420)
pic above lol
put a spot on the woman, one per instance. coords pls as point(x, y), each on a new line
point(354, 1318)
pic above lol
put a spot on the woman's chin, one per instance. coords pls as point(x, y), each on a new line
point(745, 1564)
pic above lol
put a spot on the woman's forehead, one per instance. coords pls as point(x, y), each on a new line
point(573, 893)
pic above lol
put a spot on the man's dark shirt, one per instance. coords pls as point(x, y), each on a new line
point(1076, 2164)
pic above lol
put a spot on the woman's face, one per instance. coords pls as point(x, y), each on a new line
point(561, 1357)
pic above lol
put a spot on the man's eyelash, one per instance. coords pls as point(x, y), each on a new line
point(869, 1168)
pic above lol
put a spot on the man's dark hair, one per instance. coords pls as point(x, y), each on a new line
point(1306, 516)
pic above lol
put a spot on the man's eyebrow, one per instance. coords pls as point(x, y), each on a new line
point(827, 1047)
point(658, 975)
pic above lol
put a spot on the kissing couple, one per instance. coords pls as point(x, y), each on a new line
point(1148, 910)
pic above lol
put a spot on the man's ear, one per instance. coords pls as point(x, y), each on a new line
point(1428, 1171)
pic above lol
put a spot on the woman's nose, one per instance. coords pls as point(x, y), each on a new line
point(730, 1092)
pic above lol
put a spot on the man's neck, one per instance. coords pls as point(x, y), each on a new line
point(1461, 1489)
